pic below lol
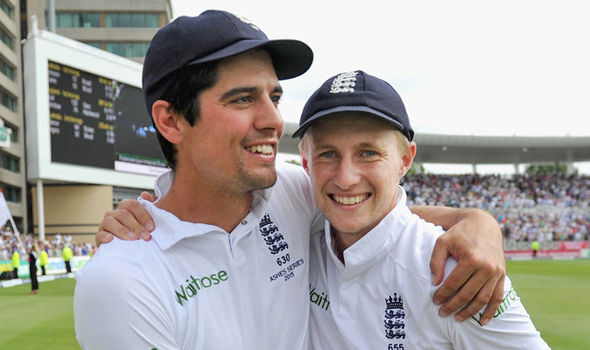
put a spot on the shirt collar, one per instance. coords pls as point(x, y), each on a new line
point(375, 244)
point(171, 230)
point(163, 183)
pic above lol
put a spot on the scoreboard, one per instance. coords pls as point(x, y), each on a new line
point(86, 117)
point(98, 116)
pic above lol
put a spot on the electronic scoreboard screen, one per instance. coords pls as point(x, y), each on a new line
point(99, 122)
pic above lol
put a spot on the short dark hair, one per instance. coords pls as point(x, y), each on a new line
point(183, 95)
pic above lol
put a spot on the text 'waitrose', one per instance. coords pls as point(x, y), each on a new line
point(194, 285)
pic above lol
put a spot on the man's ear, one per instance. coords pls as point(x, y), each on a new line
point(408, 158)
point(304, 163)
point(167, 122)
point(304, 159)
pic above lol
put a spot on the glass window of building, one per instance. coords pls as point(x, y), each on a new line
point(14, 134)
point(124, 20)
point(9, 162)
point(137, 20)
point(11, 193)
point(7, 39)
point(130, 20)
point(64, 20)
point(6, 7)
point(77, 19)
point(130, 49)
point(90, 20)
point(6, 69)
point(7, 101)
point(152, 20)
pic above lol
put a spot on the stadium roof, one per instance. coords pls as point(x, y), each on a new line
point(462, 149)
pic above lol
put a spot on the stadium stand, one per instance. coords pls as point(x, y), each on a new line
point(549, 207)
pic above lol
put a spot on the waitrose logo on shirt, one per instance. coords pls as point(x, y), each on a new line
point(195, 284)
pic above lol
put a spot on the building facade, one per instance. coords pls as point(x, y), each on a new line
point(12, 158)
point(122, 27)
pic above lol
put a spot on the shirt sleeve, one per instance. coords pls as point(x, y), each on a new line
point(116, 308)
point(302, 191)
point(511, 327)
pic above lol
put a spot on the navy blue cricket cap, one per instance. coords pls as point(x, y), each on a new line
point(356, 92)
point(211, 36)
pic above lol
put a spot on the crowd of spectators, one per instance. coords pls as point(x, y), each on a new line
point(548, 207)
point(53, 247)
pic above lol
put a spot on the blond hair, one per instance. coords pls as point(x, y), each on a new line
point(402, 142)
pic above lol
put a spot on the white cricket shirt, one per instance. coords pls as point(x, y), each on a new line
point(194, 286)
point(382, 297)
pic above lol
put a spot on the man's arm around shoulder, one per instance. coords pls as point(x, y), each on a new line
point(510, 328)
point(474, 239)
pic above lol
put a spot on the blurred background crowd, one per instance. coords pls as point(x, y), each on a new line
point(531, 207)
point(543, 207)
point(53, 247)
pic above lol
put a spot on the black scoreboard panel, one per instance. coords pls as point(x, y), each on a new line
point(95, 121)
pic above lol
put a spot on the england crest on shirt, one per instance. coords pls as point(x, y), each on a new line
point(272, 236)
point(394, 320)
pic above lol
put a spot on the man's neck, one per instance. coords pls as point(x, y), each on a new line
point(199, 202)
point(343, 241)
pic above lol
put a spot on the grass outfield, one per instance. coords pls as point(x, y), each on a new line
point(557, 296)
point(555, 293)
point(43, 321)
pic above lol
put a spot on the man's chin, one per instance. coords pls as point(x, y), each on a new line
point(269, 183)
point(261, 181)
point(346, 225)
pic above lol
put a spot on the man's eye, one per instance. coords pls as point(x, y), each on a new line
point(328, 154)
point(368, 154)
point(276, 99)
point(244, 99)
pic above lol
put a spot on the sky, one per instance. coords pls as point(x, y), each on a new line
point(517, 67)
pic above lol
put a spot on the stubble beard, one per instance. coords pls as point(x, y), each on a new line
point(252, 180)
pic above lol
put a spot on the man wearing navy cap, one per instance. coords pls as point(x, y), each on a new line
point(370, 280)
point(227, 267)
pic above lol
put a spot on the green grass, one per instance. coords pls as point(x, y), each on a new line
point(555, 293)
point(557, 296)
point(43, 321)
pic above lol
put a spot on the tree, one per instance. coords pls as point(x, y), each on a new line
point(413, 170)
point(556, 168)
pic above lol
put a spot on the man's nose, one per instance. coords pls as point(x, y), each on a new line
point(347, 174)
point(269, 117)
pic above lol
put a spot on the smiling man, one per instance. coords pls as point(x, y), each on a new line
point(228, 265)
point(222, 237)
point(370, 266)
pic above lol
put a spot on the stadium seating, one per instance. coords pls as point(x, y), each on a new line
point(548, 207)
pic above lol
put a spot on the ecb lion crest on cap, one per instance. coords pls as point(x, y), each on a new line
point(344, 82)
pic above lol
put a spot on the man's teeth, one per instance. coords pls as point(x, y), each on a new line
point(264, 149)
point(349, 200)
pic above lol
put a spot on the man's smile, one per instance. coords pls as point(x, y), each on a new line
point(350, 200)
point(265, 149)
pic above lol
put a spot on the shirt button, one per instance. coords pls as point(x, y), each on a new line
point(244, 222)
